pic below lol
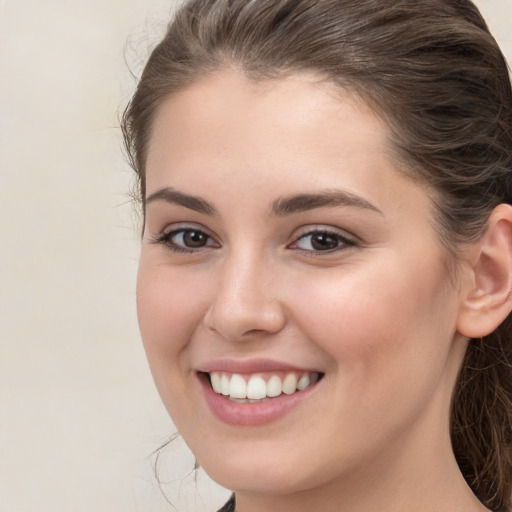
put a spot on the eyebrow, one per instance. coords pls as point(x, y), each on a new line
point(329, 198)
point(279, 208)
point(171, 195)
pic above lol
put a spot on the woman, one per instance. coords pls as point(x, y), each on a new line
point(326, 266)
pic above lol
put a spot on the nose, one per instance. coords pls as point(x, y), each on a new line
point(246, 302)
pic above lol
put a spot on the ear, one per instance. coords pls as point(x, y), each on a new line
point(486, 301)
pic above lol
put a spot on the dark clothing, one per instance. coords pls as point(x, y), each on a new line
point(229, 506)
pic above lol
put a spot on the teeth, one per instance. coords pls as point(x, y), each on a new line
point(304, 382)
point(224, 385)
point(290, 384)
point(237, 387)
point(256, 388)
point(274, 386)
point(215, 378)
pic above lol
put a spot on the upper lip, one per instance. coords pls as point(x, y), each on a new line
point(250, 366)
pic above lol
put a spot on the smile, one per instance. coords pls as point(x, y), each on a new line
point(250, 388)
point(256, 392)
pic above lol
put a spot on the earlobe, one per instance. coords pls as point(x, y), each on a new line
point(487, 301)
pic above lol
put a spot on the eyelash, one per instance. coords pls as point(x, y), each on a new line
point(166, 240)
point(341, 241)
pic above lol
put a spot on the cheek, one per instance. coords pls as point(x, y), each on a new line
point(169, 308)
point(170, 305)
point(378, 325)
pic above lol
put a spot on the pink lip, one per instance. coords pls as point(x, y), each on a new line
point(251, 414)
point(250, 366)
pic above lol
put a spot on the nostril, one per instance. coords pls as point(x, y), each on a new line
point(241, 311)
point(255, 332)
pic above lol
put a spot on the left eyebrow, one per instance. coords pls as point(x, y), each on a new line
point(329, 198)
point(173, 196)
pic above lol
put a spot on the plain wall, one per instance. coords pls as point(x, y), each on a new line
point(79, 414)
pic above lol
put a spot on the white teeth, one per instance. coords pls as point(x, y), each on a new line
point(290, 384)
point(215, 378)
point(237, 387)
point(224, 384)
point(303, 383)
point(274, 386)
point(255, 387)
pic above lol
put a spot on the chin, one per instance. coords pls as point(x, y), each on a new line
point(269, 480)
point(261, 472)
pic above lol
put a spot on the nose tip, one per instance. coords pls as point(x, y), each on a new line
point(244, 307)
point(237, 325)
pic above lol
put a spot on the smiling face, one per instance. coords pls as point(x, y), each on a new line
point(282, 247)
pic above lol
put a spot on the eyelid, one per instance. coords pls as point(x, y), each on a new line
point(325, 228)
point(165, 235)
point(314, 228)
point(177, 226)
point(347, 240)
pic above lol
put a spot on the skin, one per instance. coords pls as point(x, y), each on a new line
point(379, 315)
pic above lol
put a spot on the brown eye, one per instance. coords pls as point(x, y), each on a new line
point(186, 240)
point(322, 241)
point(194, 239)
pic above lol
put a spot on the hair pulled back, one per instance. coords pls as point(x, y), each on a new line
point(437, 77)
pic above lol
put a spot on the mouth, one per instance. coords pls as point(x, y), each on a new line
point(260, 387)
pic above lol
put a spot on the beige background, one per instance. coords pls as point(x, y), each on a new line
point(78, 411)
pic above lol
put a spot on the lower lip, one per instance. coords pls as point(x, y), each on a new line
point(251, 414)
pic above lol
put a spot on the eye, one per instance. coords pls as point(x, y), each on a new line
point(321, 240)
point(186, 240)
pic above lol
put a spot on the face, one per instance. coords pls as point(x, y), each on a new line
point(293, 299)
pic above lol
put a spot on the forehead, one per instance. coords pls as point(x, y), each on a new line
point(231, 91)
point(296, 114)
point(227, 132)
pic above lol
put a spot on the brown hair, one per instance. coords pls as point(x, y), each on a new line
point(436, 75)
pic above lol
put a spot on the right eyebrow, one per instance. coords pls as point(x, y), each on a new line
point(171, 195)
point(321, 199)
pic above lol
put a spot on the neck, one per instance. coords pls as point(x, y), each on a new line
point(450, 495)
point(411, 475)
